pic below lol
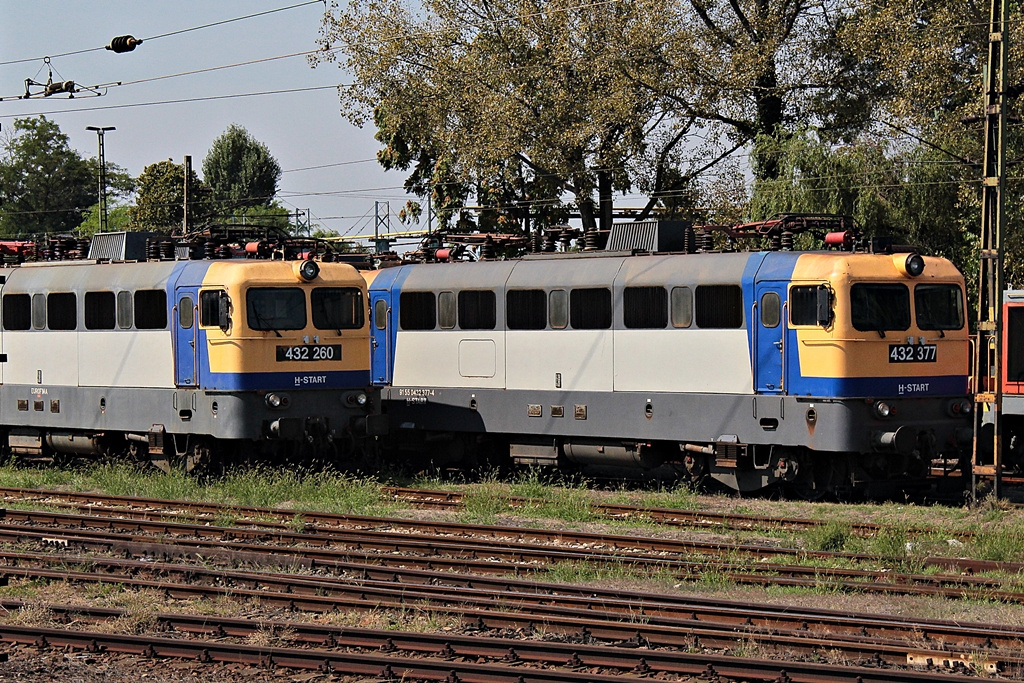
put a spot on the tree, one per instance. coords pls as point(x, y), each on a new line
point(44, 184)
point(159, 200)
point(240, 170)
point(118, 219)
point(514, 102)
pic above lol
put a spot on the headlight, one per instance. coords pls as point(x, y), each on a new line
point(358, 399)
point(960, 407)
point(309, 270)
point(914, 265)
point(882, 409)
point(276, 400)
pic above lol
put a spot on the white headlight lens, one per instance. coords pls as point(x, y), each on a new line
point(309, 270)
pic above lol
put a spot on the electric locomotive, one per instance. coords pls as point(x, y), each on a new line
point(827, 371)
point(183, 362)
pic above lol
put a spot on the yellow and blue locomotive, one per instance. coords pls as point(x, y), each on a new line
point(828, 370)
point(183, 361)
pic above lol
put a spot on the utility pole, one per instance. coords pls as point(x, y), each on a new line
point(381, 244)
point(988, 396)
point(100, 130)
point(188, 175)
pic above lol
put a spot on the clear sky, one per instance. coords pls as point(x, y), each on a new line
point(301, 129)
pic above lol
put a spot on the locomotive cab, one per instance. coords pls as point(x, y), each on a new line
point(882, 372)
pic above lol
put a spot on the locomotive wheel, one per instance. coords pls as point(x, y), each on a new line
point(814, 481)
point(198, 457)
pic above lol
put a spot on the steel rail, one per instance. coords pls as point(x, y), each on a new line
point(668, 516)
point(572, 547)
point(515, 560)
point(448, 666)
point(318, 593)
point(634, 655)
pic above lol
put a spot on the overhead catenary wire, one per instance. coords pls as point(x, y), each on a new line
point(170, 33)
point(183, 100)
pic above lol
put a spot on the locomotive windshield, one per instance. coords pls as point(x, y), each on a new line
point(880, 307)
point(337, 308)
point(276, 308)
point(939, 307)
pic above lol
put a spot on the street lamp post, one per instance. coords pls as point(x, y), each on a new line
point(103, 175)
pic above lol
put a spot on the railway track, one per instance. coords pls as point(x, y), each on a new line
point(451, 500)
point(359, 569)
point(511, 550)
point(628, 659)
point(583, 619)
point(701, 519)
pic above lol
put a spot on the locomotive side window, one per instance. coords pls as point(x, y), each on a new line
point(880, 307)
point(150, 309)
point(645, 308)
point(803, 305)
point(38, 311)
point(17, 311)
point(558, 304)
point(939, 307)
point(719, 307)
point(61, 311)
point(810, 305)
point(100, 311)
point(477, 309)
point(380, 314)
point(337, 308)
point(209, 307)
point(682, 307)
point(526, 309)
point(275, 308)
point(417, 311)
point(124, 310)
point(186, 313)
point(1015, 345)
point(771, 309)
point(590, 308)
point(447, 310)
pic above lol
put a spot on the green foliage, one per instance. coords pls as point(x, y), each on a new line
point(511, 112)
point(44, 184)
point(832, 536)
point(118, 218)
point(240, 171)
point(1002, 544)
point(159, 202)
point(273, 216)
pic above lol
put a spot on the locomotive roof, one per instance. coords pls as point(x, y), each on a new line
point(707, 268)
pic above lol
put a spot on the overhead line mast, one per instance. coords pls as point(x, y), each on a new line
point(988, 397)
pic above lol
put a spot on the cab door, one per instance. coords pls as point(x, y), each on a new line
point(769, 325)
point(382, 337)
point(186, 336)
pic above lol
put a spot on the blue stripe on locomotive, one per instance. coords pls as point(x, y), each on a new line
point(389, 281)
point(282, 381)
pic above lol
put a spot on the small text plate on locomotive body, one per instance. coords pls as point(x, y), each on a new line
point(911, 353)
point(310, 352)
